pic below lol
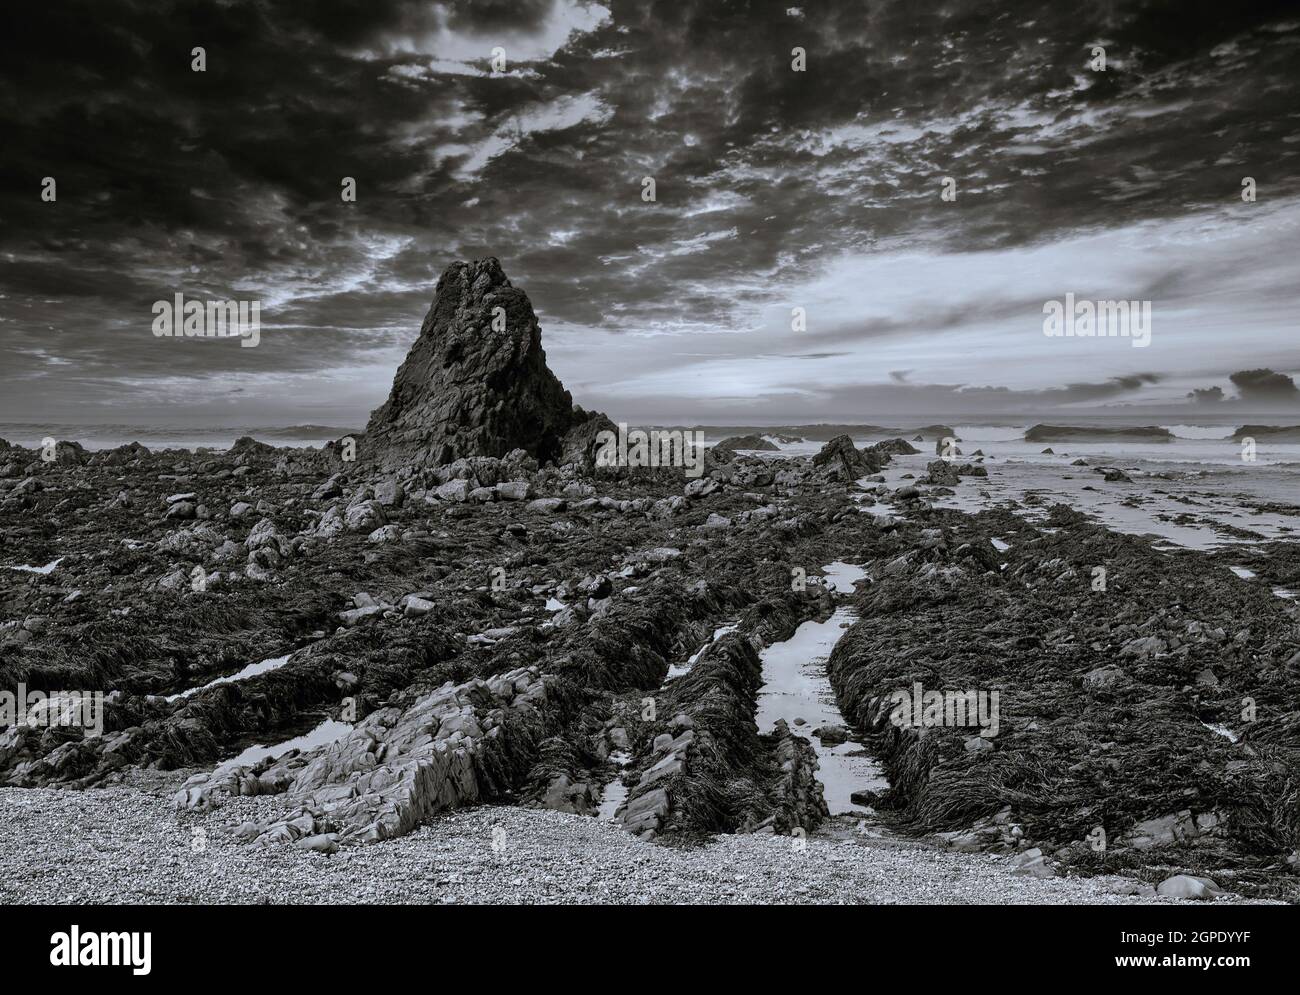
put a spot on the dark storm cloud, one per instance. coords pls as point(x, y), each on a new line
point(1206, 395)
point(1264, 385)
point(1260, 390)
point(886, 403)
point(1073, 393)
point(993, 400)
point(226, 183)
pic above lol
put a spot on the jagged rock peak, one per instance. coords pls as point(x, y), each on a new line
point(841, 459)
point(475, 382)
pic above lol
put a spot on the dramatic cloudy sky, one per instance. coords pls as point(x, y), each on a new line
point(776, 189)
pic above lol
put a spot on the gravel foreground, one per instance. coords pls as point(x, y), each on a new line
point(125, 845)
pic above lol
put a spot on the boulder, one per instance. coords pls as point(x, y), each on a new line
point(1032, 863)
point(701, 487)
point(1189, 887)
point(514, 490)
point(385, 534)
point(546, 505)
point(941, 473)
point(389, 493)
point(1162, 831)
point(895, 447)
point(320, 843)
point(331, 488)
point(353, 616)
point(841, 460)
point(365, 517)
point(755, 443)
point(415, 607)
point(454, 490)
point(832, 735)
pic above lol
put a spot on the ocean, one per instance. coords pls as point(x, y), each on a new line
point(109, 436)
point(1192, 445)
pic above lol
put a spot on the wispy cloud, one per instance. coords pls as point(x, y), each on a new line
point(774, 189)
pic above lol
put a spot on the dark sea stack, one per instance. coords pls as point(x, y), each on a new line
point(468, 388)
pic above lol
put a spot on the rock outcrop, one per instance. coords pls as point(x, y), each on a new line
point(754, 443)
point(894, 447)
point(475, 382)
point(1269, 433)
point(1075, 433)
point(839, 459)
point(580, 442)
point(394, 770)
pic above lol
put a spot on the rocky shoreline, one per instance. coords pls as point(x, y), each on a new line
point(457, 631)
point(461, 692)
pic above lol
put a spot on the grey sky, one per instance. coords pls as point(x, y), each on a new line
point(775, 189)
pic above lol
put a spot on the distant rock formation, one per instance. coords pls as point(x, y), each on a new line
point(747, 442)
point(476, 383)
point(247, 444)
point(1272, 433)
point(1073, 433)
point(935, 432)
point(894, 447)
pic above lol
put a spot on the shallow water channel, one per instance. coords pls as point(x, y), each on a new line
point(796, 687)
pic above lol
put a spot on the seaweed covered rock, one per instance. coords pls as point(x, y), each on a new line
point(941, 473)
point(711, 770)
point(1125, 721)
